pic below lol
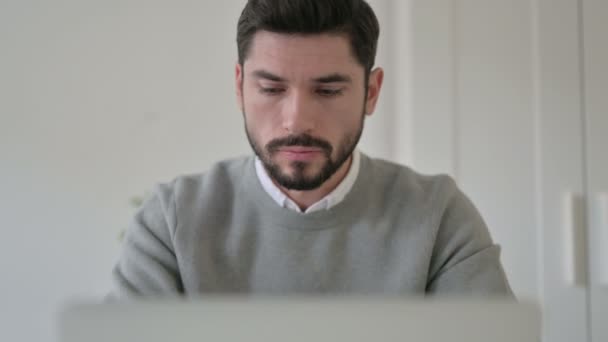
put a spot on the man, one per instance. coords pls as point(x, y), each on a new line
point(308, 213)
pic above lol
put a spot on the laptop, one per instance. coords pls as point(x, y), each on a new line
point(301, 319)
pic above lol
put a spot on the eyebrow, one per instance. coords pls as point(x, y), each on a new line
point(331, 78)
point(267, 75)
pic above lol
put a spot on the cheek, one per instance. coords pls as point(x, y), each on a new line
point(262, 119)
point(344, 117)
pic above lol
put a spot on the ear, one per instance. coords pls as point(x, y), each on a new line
point(238, 83)
point(373, 89)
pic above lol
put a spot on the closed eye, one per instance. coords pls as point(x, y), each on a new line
point(329, 92)
point(271, 91)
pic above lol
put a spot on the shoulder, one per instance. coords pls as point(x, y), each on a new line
point(195, 189)
point(225, 173)
point(401, 181)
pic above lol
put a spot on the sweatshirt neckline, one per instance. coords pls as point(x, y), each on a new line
point(341, 214)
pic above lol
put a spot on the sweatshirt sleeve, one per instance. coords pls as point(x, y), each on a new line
point(465, 261)
point(148, 264)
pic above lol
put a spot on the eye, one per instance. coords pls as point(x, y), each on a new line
point(271, 91)
point(329, 92)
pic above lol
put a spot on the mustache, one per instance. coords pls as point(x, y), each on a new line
point(299, 140)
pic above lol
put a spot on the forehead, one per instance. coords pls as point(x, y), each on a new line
point(310, 55)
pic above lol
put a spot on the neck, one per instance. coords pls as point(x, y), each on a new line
point(305, 199)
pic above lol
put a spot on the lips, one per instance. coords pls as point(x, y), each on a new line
point(298, 149)
point(300, 153)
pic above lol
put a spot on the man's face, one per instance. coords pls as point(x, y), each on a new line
point(304, 101)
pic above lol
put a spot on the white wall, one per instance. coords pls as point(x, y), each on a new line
point(98, 101)
point(473, 116)
point(498, 101)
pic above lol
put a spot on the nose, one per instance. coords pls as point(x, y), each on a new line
point(298, 113)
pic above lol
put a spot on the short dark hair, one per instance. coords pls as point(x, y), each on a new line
point(355, 18)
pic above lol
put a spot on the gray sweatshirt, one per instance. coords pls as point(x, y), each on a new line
point(396, 232)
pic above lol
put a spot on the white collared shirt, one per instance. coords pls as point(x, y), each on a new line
point(330, 200)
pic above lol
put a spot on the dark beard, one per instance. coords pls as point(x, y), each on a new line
point(299, 181)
